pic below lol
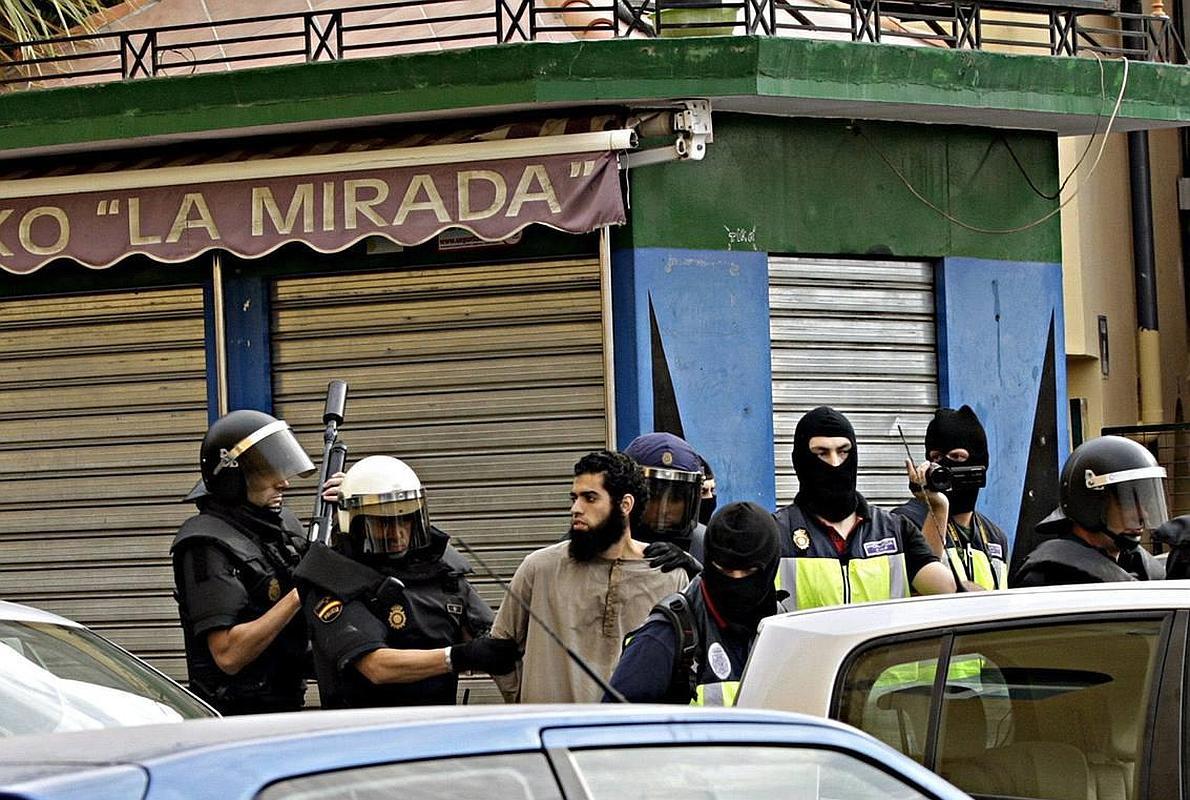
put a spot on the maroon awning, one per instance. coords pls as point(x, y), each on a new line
point(329, 202)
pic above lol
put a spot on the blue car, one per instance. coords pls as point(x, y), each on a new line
point(482, 752)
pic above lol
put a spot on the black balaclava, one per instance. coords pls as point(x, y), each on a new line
point(707, 507)
point(823, 490)
point(742, 536)
point(950, 429)
point(585, 545)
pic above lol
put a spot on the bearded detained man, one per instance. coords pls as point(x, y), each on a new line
point(591, 589)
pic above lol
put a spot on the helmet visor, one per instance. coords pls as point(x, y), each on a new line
point(674, 497)
point(1135, 506)
point(276, 456)
point(391, 528)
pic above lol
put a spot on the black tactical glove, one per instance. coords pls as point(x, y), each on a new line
point(485, 654)
point(1176, 534)
point(667, 556)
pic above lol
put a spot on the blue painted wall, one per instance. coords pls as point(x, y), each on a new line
point(712, 310)
point(249, 355)
point(994, 321)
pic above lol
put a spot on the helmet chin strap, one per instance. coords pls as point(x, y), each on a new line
point(1124, 542)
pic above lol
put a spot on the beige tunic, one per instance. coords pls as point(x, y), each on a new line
point(590, 605)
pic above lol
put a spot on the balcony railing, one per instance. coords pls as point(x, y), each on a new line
point(1060, 28)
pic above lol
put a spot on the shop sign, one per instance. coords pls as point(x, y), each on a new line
point(492, 200)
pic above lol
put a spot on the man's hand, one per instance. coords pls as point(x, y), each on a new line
point(330, 490)
point(667, 557)
point(485, 654)
point(937, 501)
point(1175, 532)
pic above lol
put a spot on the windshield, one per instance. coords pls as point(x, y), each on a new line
point(58, 678)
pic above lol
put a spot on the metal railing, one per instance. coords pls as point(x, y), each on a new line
point(1170, 445)
point(1060, 28)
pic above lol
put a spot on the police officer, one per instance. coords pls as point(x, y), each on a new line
point(835, 547)
point(1111, 491)
point(976, 548)
point(670, 522)
point(693, 646)
point(391, 614)
point(709, 498)
point(246, 643)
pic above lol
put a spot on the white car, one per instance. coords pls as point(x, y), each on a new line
point(56, 675)
point(1064, 693)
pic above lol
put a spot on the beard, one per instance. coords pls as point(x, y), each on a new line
point(585, 545)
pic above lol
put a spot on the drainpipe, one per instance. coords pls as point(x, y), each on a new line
point(1144, 264)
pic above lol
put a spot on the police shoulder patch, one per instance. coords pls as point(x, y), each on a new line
point(328, 609)
point(718, 661)
point(396, 617)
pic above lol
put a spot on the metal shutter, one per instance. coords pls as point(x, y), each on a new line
point(487, 380)
point(858, 336)
point(103, 399)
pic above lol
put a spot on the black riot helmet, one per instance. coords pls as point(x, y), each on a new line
point(674, 474)
point(248, 444)
point(1113, 485)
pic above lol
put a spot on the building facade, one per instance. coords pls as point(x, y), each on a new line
point(517, 254)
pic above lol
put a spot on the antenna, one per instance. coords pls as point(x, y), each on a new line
point(944, 529)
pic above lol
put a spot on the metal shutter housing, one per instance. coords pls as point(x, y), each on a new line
point(859, 336)
point(103, 399)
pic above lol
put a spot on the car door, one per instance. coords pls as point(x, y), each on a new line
point(1056, 708)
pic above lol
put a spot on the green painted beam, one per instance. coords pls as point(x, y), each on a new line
point(794, 77)
point(971, 79)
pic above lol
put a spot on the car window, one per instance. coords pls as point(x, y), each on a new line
point(887, 694)
point(1047, 711)
point(513, 776)
point(59, 678)
point(734, 772)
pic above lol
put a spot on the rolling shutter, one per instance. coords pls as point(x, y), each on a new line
point(103, 399)
point(858, 336)
point(487, 380)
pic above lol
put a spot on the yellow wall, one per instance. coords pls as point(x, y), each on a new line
point(1098, 278)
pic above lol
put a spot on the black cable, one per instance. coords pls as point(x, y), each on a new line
point(1025, 173)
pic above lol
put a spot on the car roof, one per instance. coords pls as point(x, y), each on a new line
point(15, 612)
point(148, 743)
point(867, 620)
point(233, 758)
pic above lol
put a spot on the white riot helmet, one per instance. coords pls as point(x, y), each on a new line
point(383, 508)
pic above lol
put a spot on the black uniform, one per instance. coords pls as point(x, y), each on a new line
point(231, 565)
point(692, 541)
point(352, 609)
point(682, 655)
point(1068, 559)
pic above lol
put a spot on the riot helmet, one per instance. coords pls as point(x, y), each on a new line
point(1114, 486)
point(383, 512)
point(674, 474)
point(249, 446)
